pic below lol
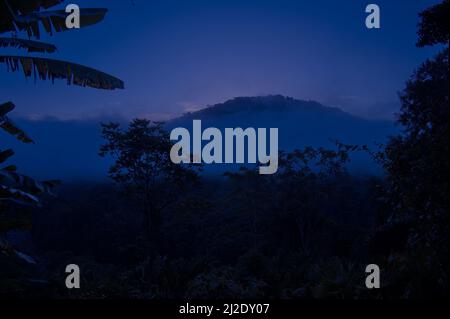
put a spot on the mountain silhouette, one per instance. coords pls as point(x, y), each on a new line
point(68, 150)
point(300, 123)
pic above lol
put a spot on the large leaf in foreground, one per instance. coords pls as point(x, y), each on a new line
point(56, 20)
point(4, 155)
point(8, 126)
point(5, 108)
point(18, 196)
point(31, 46)
point(27, 6)
point(11, 8)
point(23, 189)
point(50, 69)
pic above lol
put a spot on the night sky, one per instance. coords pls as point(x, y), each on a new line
point(179, 56)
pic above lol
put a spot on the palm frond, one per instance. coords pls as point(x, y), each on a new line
point(31, 46)
point(11, 8)
point(28, 6)
point(5, 108)
point(50, 69)
point(17, 196)
point(54, 21)
point(4, 155)
point(9, 178)
point(8, 126)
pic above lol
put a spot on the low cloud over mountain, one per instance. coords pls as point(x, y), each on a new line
point(69, 150)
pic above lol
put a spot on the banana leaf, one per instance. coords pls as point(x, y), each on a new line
point(50, 69)
point(29, 45)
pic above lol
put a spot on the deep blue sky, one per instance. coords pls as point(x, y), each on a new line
point(176, 56)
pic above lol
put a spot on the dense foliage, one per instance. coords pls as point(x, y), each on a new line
point(144, 170)
point(417, 192)
point(306, 232)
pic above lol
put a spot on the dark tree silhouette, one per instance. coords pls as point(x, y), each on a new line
point(143, 167)
point(417, 160)
point(433, 26)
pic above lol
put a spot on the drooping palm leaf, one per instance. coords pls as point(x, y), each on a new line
point(22, 189)
point(18, 196)
point(4, 155)
point(31, 46)
point(55, 20)
point(28, 6)
point(8, 126)
point(10, 178)
point(11, 8)
point(14, 19)
point(50, 69)
point(5, 108)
